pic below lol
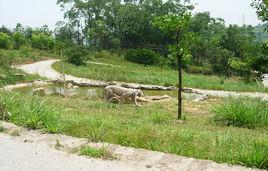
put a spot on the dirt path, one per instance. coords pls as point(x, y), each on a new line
point(34, 150)
point(44, 69)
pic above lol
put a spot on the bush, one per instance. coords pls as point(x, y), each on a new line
point(242, 112)
point(143, 56)
point(29, 112)
point(42, 41)
point(19, 40)
point(104, 55)
point(76, 56)
point(5, 41)
point(199, 70)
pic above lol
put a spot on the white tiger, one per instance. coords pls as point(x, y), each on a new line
point(114, 92)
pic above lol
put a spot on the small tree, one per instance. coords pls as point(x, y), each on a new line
point(19, 40)
point(176, 26)
point(5, 41)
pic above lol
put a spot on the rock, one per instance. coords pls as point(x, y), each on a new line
point(20, 76)
point(40, 91)
point(149, 99)
point(201, 98)
point(65, 92)
point(92, 93)
point(75, 87)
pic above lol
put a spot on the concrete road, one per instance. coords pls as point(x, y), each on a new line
point(22, 156)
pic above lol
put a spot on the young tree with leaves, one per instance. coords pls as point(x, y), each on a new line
point(176, 26)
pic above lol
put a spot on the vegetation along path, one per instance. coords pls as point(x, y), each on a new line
point(44, 69)
point(38, 151)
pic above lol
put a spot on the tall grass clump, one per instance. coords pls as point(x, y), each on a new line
point(30, 112)
point(102, 152)
point(242, 112)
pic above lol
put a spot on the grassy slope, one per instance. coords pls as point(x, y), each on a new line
point(153, 75)
point(17, 57)
point(154, 127)
point(10, 78)
point(26, 55)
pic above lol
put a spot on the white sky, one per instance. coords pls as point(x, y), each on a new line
point(36, 13)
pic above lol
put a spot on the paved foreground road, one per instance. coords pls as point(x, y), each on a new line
point(36, 151)
point(20, 156)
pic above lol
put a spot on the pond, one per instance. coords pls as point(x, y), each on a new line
point(98, 91)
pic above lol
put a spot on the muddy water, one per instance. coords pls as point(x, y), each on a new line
point(97, 91)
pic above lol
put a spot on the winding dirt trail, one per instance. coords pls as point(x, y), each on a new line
point(44, 69)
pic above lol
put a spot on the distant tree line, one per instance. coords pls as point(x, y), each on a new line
point(116, 24)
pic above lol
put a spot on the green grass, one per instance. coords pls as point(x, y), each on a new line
point(10, 75)
point(30, 112)
point(14, 76)
point(242, 112)
point(131, 72)
point(2, 129)
point(102, 152)
point(26, 55)
point(154, 127)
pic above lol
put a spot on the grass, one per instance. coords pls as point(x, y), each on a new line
point(15, 133)
point(2, 129)
point(154, 127)
point(102, 152)
point(14, 76)
point(26, 55)
point(242, 112)
point(131, 72)
point(30, 112)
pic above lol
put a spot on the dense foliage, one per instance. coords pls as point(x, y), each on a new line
point(143, 56)
point(76, 55)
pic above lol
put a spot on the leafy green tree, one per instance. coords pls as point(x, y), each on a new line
point(19, 40)
point(5, 41)
point(262, 9)
point(76, 55)
point(42, 41)
point(176, 26)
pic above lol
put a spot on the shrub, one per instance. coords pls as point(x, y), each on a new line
point(76, 55)
point(143, 56)
point(5, 41)
point(102, 152)
point(104, 55)
point(242, 112)
point(42, 41)
point(29, 112)
point(19, 40)
point(199, 70)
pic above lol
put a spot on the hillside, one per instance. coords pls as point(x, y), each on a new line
point(261, 35)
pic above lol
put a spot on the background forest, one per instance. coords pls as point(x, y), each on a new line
point(126, 27)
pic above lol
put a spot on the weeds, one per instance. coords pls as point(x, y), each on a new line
point(242, 112)
point(102, 152)
point(15, 133)
point(30, 112)
point(2, 129)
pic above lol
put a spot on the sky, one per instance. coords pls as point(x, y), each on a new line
point(36, 13)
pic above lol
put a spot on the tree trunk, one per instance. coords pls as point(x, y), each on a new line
point(179, 86)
